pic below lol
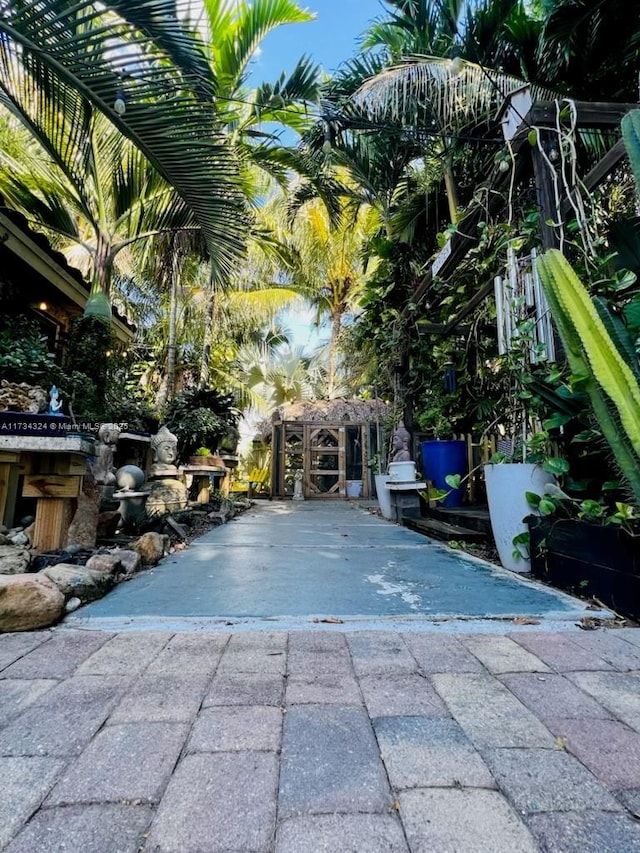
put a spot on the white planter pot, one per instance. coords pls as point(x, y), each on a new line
point(402, 472)
point(506, 485)
point(384, 495)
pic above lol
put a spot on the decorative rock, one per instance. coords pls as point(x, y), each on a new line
point(28, 602)
point(72, 605)
point(79, 581)
point(82, 530)
point(130, 561)
point(152, 547)
point(109, 563)
point(130, 478)
point(26, 520)
point(22, 397)
point(166, 495)
point(4, 540)
point(20, 539)
point(14, 559)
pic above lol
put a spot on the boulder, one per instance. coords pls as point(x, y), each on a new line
point(131, 561)
point(109, 563)
point(14, 559)
point(152, 547)
point(78, 581)
point(28, 602)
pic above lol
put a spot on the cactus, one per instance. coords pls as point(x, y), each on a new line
point(631, 136)
point(598, 352)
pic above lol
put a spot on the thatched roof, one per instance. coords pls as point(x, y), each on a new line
point(334, 411)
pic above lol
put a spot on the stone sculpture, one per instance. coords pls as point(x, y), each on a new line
point(164, 445)
point(400, 440)
point(168, 492)
point(55, 404)
point(103, 470)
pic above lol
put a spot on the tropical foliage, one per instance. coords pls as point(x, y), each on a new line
point(154, 152)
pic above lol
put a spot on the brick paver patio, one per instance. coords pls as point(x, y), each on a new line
point(320, 740)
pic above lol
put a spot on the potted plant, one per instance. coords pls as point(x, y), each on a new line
point(203, 456)
point(584, 547)
point(601, 353)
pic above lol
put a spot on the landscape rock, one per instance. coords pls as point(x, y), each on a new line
point(72, 605)
point(14, 559)
point(83, 527)
point(166, 495)
point(20, 539)
point(4, 540)
point(109, 563)
point(79, 581)
point(28, 602)
point(130, 561)
point(152, 547)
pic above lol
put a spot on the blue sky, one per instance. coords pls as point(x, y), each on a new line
point(330, 39)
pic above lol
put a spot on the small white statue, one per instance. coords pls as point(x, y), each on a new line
point(297, 486)
point(54, 403)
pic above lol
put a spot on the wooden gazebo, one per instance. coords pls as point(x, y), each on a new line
point(331, 442)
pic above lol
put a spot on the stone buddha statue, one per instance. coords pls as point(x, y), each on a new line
point(400, 441)
point(103, 470)
point(164, 445)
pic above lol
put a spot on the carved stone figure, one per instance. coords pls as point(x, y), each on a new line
point(164, 445)
point(400, 441)
point(297, 486)
point(103, 470)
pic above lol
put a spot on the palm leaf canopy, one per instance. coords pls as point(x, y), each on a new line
point(448, 94)
point(62, 61)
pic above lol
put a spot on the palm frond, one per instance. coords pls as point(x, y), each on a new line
point(59, 62)
point(453, 95)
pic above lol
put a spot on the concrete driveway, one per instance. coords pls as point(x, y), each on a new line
point(299, 563)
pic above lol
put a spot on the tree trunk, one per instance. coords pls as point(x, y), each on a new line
point(333, 353)
point(173, 321)
point(208, 337)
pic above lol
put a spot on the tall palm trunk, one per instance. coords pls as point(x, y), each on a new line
point(208, 336)
point(333, 353)
point(168, 387)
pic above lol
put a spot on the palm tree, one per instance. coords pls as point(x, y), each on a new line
point(233, 33)
point(329, 267)
point(139, 66)
point(121, 200)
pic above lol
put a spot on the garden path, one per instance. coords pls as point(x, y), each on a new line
point(292, 563)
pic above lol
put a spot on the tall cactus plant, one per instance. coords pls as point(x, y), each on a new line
point(599, 349)
point(595, 345)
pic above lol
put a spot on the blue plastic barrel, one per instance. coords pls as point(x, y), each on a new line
point(440, 458)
